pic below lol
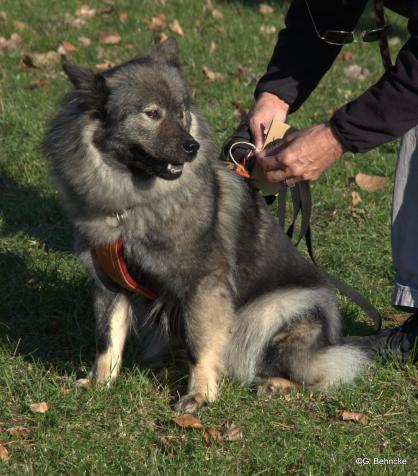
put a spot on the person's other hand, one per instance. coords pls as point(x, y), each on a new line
point(303, 155)
point(267, 107)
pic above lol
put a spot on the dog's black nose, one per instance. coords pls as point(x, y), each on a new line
point(191, 146)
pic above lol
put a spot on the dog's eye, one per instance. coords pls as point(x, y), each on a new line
point(153, 113)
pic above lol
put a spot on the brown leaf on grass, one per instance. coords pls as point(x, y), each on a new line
point(39, 407)
point(266, 9)
point(355, 416)
point(158, 23)
point(163, 37)
point(394, 41)
point(46, 60)
point(166, 445)
point(212, 47)
point(20, 25)
point(105, 10)
point(397, 318)
point(187, 420)
point(239, 110)
point(9, 44)
point(209, 4)
point(233, 432)
point(355, 198)
point(346, 56)
point(68, 47)
point(123, 17)
point(212, 435)
point(370, 183)
point(26, 61)
point(3, 17)
point(4, 454)
point(211, 75)
point(38, 83)
point(84, 41)
point(110, 38)
point(354, 71)
point(268, 29)
point(129, 46)
point(74, 22)
point(175, 27)
point(18, 431)
point(85, 12)
point(105, 65)
point(217, 14)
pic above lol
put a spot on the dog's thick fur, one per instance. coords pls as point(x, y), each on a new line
point(243, 300)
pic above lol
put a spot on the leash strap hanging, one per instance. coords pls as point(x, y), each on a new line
point(383, 40)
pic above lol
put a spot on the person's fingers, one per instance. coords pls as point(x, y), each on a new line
point(257, 131)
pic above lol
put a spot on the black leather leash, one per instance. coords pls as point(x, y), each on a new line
point(302, 204)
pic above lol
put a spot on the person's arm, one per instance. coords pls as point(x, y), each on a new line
point(390, 107)
point(300, 59)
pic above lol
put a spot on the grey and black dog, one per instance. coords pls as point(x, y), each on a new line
point(134, 160)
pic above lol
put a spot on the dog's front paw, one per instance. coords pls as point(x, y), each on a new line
point(191, 403)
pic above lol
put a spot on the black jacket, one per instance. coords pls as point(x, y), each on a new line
point(385, 111)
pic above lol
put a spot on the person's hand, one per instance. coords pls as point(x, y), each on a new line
point(267, 107)
point(303, 155)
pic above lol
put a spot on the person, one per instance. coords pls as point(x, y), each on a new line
point(306, 48)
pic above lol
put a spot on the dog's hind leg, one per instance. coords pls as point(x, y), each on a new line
point(113, 315)
point(208, 329)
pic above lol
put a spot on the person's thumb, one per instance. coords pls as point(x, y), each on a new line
point(257, 131)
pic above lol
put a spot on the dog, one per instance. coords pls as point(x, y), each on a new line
point(135, 162)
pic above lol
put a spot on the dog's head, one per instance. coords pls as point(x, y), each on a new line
point(143, 111)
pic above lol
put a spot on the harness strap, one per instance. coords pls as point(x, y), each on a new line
point(110, 258)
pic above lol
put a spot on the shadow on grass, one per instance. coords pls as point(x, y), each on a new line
point(24, 209)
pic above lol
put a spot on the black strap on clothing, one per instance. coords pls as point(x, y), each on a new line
point(302, 204)
point(383, 40)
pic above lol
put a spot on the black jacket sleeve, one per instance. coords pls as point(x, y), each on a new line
point(300, 58)
point(389, 108)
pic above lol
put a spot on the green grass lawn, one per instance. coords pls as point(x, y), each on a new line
point(46, 319)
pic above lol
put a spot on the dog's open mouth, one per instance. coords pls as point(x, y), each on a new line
point(175, 169)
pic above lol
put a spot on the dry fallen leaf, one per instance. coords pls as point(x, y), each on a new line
point(38, 83)
point(268, 29)
point(123, 17)
point(217, 14)
point(85, 12)
point(4, 454)
point(26, 61)
point(84, 41)
point(394, 41)
point(354, 416)
point(163, 37)
point(39, 407)
point(19, 25)
point(370, 183)
point(13, 42)
point(105, 65)
point(239, 110)
point(211, 75)
point(110, 38)
point(211, 435)
point(212, 47)
point(105, 10)
point(158, 22)
point(347, 56)
point(175, 27)
point(233, 432)
point(355, 198)
point(45, 60)
point(187, 420)
point(18, 431)
point(68, 47)
point(355, 71)
point(266, 9)
point(74, 22)
point(3, 17)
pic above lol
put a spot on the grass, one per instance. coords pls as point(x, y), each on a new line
point(46, 321)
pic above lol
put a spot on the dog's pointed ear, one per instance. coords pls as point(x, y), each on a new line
point(167, 52)
point(81, 78)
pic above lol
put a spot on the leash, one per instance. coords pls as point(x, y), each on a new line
point(302, 205)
